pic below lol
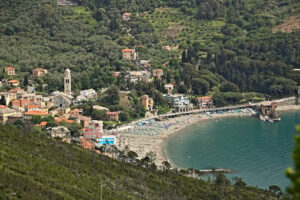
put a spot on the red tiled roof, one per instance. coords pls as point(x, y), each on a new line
point(9, 68)
point(2, 106)
point(43, 123)
point(13, 81)
point(15, 90)
point(112, 113)
point(39, 69)
point(127, 50)
point(33, 106)
point(206, 97)
point(127, 13)
point(34, 112)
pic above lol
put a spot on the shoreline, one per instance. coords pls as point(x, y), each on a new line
point(169, 134)
point(204, 118)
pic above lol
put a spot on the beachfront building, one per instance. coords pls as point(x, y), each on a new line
point(10, 71)
point(39, 72)
point(157, 73)
point(94, 130)
point(147, 102)
point(129, 54)
point(126, 16)
point(179, 102)
point(61, 132)
point(205, 102)
point(113, 116)
point(267, 108)
point(108, 140)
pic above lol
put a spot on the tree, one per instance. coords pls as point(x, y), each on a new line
point(229, 87)
point(26, 80)
point(3, 100)
point(132, 155)
point(166, 165)
point(182, 89)
point(36, 119)
point(294, 175)
point(152, 156)
point(124, 116)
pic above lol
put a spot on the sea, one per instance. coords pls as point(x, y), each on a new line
point(258, 151)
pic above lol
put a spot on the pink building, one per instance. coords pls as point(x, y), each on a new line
point(205, 102)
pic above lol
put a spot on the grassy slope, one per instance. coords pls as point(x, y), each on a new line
point(34, 167)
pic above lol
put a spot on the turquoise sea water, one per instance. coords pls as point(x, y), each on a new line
point(258, 151)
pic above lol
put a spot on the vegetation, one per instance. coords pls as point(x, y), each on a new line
point(221, 46)
point(32, 166)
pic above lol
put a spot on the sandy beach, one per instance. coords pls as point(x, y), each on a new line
point(153, 135)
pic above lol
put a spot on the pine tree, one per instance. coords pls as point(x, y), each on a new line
point(25, 80)
point(3, 100)
point(183, 57)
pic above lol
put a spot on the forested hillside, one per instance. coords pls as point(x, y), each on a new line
point(225, 48)
point(32, 166)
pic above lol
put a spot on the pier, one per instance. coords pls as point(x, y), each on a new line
point(219, 170)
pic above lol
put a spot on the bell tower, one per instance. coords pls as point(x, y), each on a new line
point(67, 82)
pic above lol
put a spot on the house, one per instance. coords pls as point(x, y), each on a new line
point(13, 83)
point(2, 106)
point(16, 90)
point(129, 54)
point(60, 120)
point(113, 116)
point(205, 102)
point(33, 107)
point(75, 112)
point(147, 102)
point(62, 100)
point(168, 48)
point(38, 72)
point(157, 73)
point(90, 93)
point(83, 120)
point(180, 103)
point(94, 130)
point(126, 16)
point(61, 132)
point(134, 76)
point(96, 107)
point(5, 113)
point(28, 115)
point(42, 124)
point(66, 3)
point(169, 87)
point(12, 118)
point(116, 74)
point(10, 71)
point(145, 64)
point(268, 107)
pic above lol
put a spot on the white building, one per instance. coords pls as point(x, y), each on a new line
point(67, 82)
point(61, 132)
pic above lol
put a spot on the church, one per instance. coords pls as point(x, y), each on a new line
point(64, 99)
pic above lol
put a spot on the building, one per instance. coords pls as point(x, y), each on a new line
point(116, 74)
point(168, 48)
point(169, 87)
point(61, 132)
point(126, 16)
point(67, 82)
point(108, 140)
point(180, 103)
point(33, 107)
point(84, 121)
point(129, 54)
point(13, 83)
point(5, 113)
point(96, 107)
point(147, 102)
point(267, 108)
point(60, 120)
point(28, 115)
point(85, 95)
point(157, 73)
point(205, 102)
point(134, 76)
point(38, 72)
point(113, 116)
point(145, 64)
point(62, 100)
point(66, 3)
point(10, 71)
point(94, 130)
point(75, 112)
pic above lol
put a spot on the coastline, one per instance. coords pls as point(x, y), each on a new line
point(192, 121)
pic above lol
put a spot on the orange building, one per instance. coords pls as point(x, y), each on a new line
point(129, 54)
point(13, 83)
point(113, 116)
point(10, 71)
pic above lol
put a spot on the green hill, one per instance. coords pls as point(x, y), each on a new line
point(35, 167)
